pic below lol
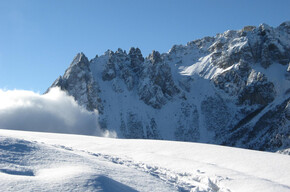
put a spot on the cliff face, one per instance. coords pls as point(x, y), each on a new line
point(231, 89)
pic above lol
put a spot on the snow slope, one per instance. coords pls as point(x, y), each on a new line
point(31, 161)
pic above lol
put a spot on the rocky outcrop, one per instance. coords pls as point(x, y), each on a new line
point(188, 123)
point(157, 85)
point(255, 45)
point(134, 126)
point(272, 130)
point(137, 60)
point(217, 116)
point(109, 71)
point(152, 131)
point(260, 92)
point(78, 82)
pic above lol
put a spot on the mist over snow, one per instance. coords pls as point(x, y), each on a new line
point(51, 112)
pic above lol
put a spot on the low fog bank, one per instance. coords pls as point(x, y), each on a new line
point(53, 112)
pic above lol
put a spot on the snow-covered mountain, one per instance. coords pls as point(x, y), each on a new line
point(232, 89)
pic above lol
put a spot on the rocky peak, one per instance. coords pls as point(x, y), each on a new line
point(136, 59)
point(159, 86)
point(81, 60)
point(78, 82)
point(263, 29)
point(120, 52)
point(177, 48)
point(135, 52)
point(265, 45)
point(285, 26)
point(109, 71)
point(109, 52)
point(249, 28)
point(155, 57)
point(80, 63)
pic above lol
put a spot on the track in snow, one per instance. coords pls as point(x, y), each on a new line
point(184, 182)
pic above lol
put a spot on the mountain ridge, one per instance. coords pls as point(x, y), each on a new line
point(231, 89)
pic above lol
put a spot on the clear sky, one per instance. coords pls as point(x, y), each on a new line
point(39, 38)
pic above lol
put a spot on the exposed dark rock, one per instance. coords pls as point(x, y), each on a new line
point(136, 60)
point(217, 115)
point(188, 124)
point(134, 126)
point(159, 86)
point(155, 57)
point(272, 130)
point(109, 72)
point(152, 130)
point(230, 81)
point(78, 82)
point(249, 28)
point(258, 90)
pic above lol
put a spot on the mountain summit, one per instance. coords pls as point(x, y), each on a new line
point(232, 89)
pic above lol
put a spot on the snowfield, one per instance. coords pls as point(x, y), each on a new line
point(34, 161)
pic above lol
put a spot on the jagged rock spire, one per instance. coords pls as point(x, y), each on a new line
point(80, 59)
point(155, 57)
point(136, 59)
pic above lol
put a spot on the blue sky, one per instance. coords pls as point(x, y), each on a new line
point(39, 38)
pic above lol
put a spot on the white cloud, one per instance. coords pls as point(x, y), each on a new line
point(52, 112)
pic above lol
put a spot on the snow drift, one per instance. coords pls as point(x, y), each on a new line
point(31, 161)
point(52, 112)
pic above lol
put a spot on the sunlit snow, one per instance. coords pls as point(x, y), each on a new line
point(31, 161)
